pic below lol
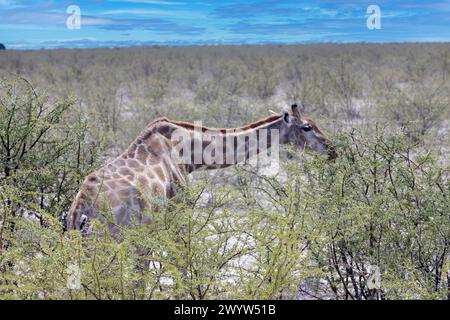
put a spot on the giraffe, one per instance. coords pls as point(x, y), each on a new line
point(147, 170)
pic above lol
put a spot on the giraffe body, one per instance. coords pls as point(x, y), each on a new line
point(147, 174)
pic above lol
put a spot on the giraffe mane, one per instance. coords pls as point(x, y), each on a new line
point(245, 127)
point(150, 128)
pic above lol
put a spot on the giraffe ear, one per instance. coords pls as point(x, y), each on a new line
point(296, 111)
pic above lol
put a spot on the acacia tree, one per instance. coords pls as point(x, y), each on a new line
point(43, 153)
point(383, 207)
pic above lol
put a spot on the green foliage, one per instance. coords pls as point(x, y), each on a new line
point(371, 225)
point(44, 154)
point(324, 232)
point(381, 205)
point(124, 89)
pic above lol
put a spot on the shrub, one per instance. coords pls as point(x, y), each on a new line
point(44, 153)
point(383, 208)
point(372, 225)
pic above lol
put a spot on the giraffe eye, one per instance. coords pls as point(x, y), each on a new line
point(306, 128)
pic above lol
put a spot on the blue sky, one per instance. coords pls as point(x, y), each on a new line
point(27, 24)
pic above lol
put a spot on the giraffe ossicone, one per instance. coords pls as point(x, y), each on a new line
point(155, 164)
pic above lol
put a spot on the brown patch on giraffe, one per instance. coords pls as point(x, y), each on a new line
point(111, 184)
point(157, 188)
point(105, 187)
point(89, 192)
point(147, 134)
point(205, 144)
point(159, 173)
point(112, 168)
point(143, 182)
point(131, 150)
point(92, 178)
point(150, 129)
point(126, 172)
point(141, 154)
point(156, 150)
point(167, 143)
point(151, 151)
point(120, 163)
point(135, 165)
point(153, 160)
point(123, 194)
point(122, 183)
point(154, 146)
point(150, 175)
point(79, 204)
point(89, 189)
point(110, 201)
point(81, 197)
point(116, 176)
point(165, 130)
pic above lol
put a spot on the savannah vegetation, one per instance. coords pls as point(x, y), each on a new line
point(374, 224)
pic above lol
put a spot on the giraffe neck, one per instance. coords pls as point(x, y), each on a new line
point(210, 148)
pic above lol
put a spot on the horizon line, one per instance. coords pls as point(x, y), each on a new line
point(180, 44)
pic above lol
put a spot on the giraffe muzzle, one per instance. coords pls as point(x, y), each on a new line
point(331, 151)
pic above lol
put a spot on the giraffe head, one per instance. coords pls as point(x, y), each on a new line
point(303, 132)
